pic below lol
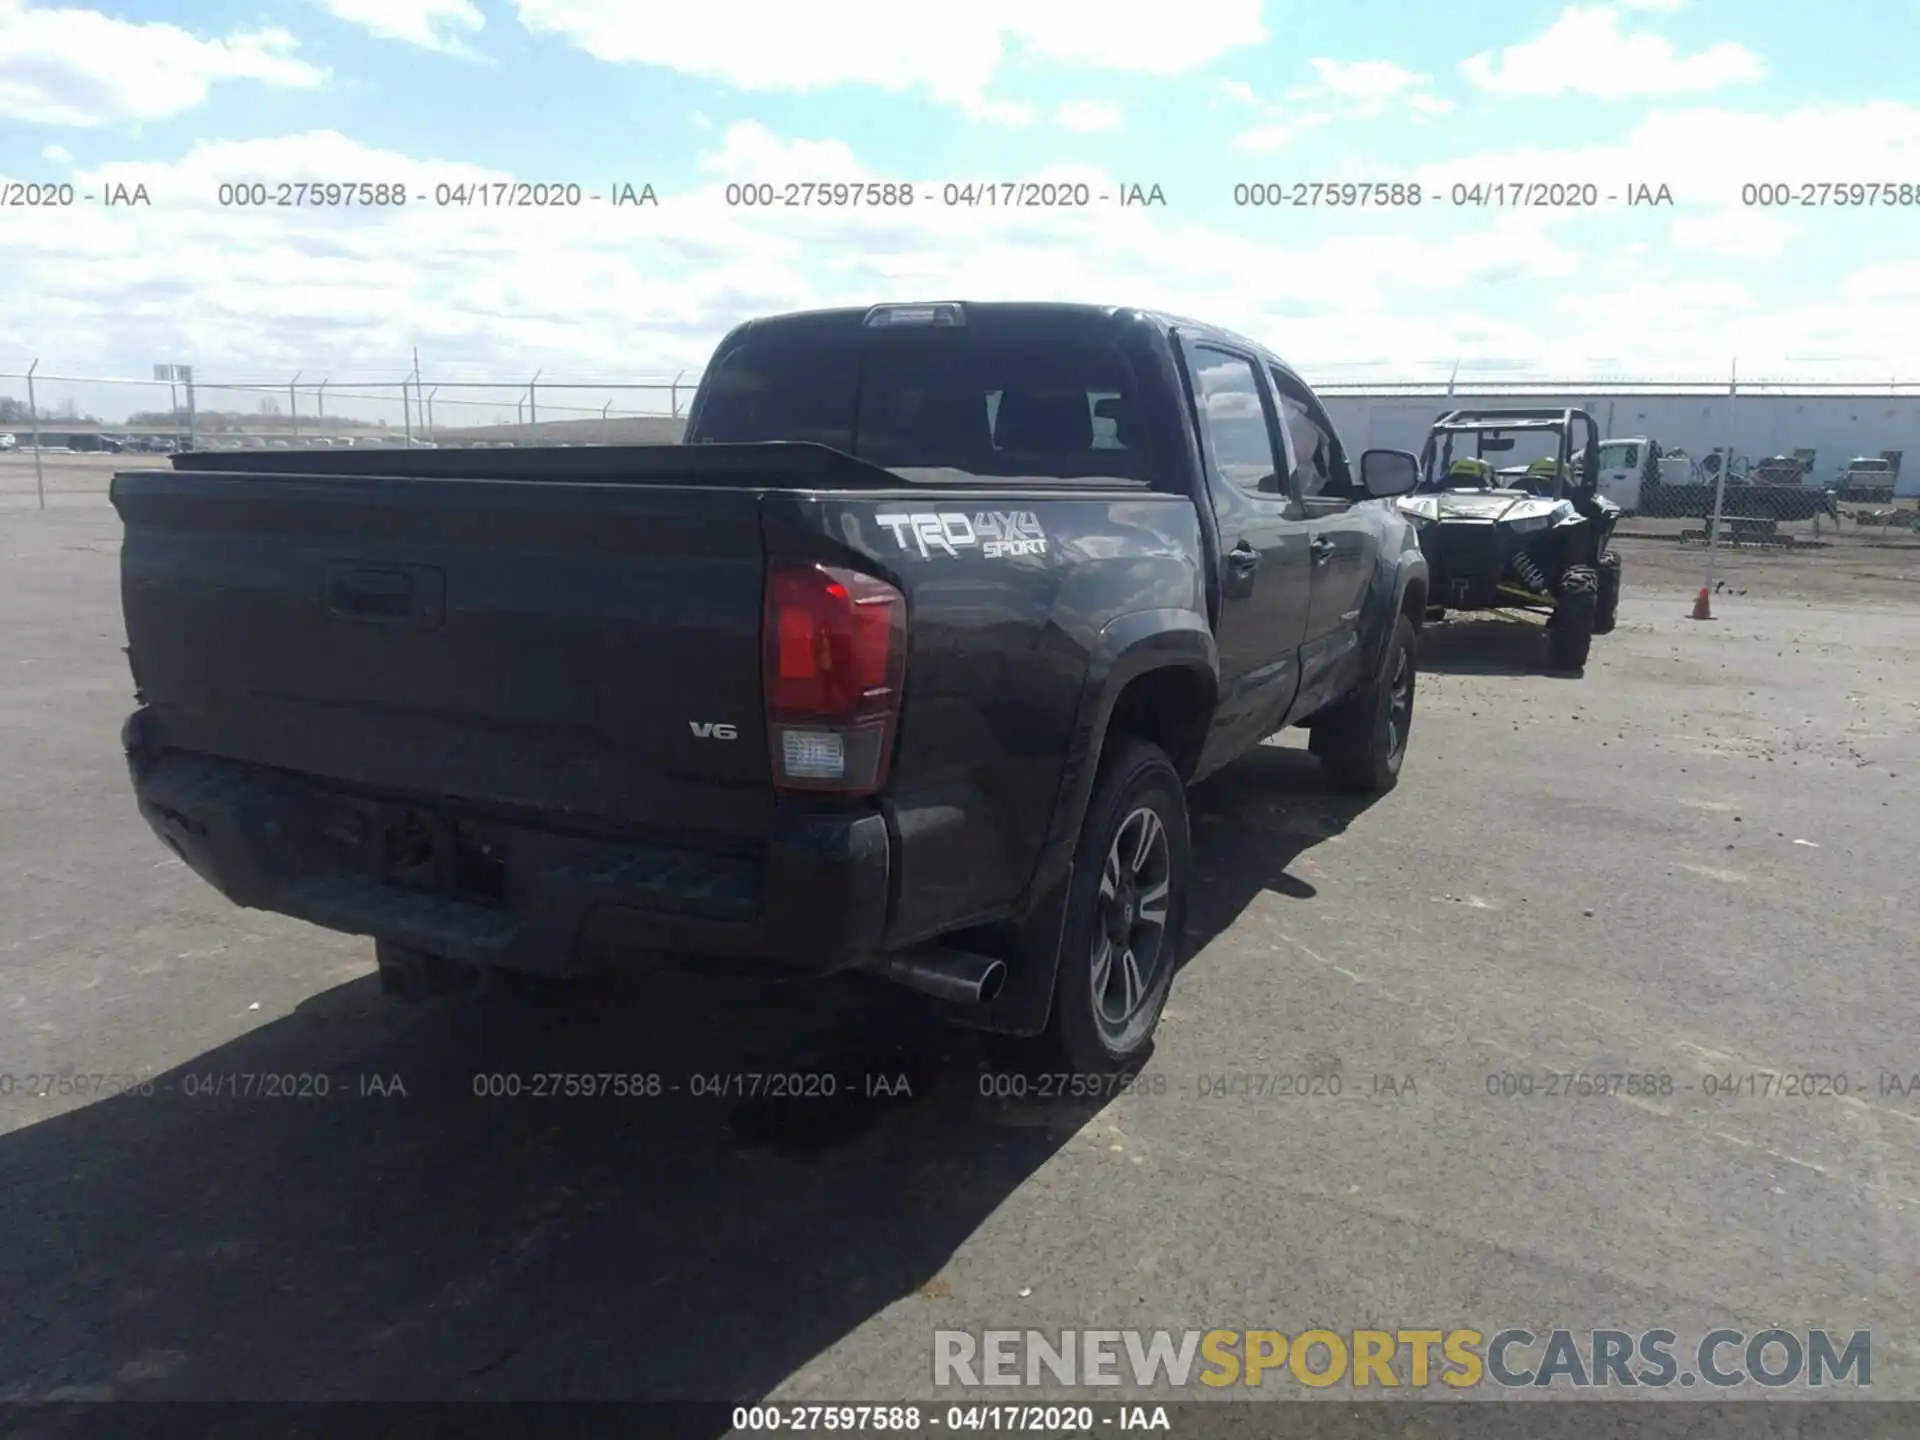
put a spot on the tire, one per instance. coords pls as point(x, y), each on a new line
point(1607, 606)
point(1103, 1021)
point(1570, 630)
point(1362, 741)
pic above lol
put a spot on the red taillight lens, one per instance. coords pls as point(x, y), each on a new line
point(835, 658)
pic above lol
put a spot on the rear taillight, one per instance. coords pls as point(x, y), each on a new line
point(834, 657)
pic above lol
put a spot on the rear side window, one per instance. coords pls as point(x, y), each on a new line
point(1227, 391)
point(1036, 401)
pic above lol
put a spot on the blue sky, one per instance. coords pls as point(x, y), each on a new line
point(1700, 95)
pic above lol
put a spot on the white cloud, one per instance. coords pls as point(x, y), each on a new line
point(1884, 282)
point(1013, 114)
point(611, 292)
point(624, 293)
point(951, 52)
point(431, 24)
point(1709, 155)
point(1089, 116)
point(1366, 82)
point(750, 151)
point(1733, 233)
point(58, 154)
point(1668, 5)
point(1587, 52)
point(1347, 90)
point(82, 68)
point(1269, 139)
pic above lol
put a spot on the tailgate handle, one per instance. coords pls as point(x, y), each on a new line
point(406, 594)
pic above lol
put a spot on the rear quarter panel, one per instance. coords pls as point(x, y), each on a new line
point(1011, 599)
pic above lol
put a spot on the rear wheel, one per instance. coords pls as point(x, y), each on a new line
point(1570, 630)
point(1608, 605)
point(1121, 941)
point(1362, 740)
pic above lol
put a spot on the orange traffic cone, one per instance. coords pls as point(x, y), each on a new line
point(1702, 608)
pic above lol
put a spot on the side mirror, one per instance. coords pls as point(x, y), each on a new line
point(1386, 473)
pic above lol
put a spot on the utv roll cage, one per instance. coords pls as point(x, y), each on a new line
point(1485, 425)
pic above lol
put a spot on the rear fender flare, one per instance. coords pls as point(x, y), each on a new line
point(1128, 647)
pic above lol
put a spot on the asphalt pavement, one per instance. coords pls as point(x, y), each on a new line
point(1696, 862)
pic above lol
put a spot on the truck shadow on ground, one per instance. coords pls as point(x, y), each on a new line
point(1488, 643)
point(1251, 822)
point(399, 1228)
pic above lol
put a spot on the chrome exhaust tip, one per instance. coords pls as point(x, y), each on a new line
point(955, 976)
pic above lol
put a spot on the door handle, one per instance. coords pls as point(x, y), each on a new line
point(1244, 558)
point(1322, 549)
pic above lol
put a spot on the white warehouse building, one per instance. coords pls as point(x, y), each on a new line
point(1821, 425)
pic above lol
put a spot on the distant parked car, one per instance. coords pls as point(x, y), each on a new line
point(9, 442)
point(1868, 479)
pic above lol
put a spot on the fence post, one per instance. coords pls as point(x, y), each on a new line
point(431, 432)
point(406, 414)
point(293, 402)
point(187, 378)
point(533, 403)
point(1720, 480)
point(673, 397)
point(33, 419)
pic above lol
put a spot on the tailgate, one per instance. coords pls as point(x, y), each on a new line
point(587, 649)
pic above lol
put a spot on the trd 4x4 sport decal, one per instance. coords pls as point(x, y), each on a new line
point(995, 533)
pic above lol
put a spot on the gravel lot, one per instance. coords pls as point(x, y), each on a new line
point(1696, 861)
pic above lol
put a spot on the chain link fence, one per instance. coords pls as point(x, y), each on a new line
point(66, 412)
point(62, 434)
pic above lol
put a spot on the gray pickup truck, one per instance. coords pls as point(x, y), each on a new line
point(902, 663)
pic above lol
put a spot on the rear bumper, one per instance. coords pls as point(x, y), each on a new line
point(814, 900)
